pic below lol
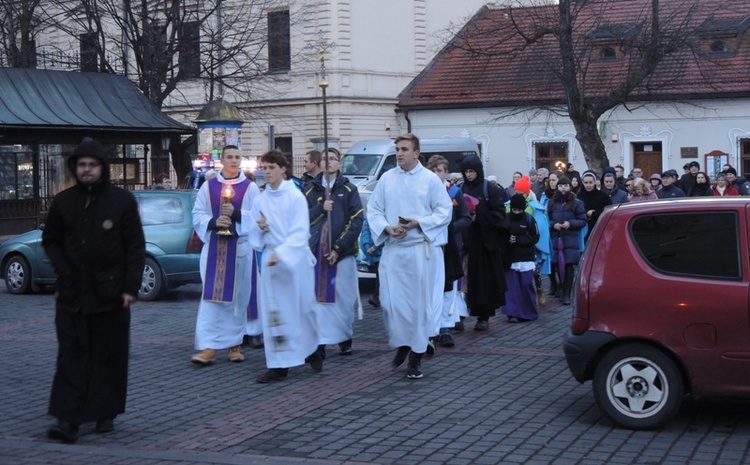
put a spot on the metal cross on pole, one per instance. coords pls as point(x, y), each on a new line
point(323, 45)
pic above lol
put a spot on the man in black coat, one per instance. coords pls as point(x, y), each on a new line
point(94, 239)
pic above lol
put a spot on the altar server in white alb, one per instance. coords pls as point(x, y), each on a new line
point(281, 230)
point(409, 211)
point(336, 219)
point(221, 218)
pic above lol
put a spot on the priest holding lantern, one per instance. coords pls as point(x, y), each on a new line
point(221, 218)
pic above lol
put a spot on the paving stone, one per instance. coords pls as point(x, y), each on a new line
point(501, 396)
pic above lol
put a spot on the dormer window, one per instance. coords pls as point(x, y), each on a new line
point(607, 53)
point(719, 46)
point(721, 36)
point(610, 41)
point(714, 47)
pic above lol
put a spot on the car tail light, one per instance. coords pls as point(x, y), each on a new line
point(195, 244)
point(579, 326)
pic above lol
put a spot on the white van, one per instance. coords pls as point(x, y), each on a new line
point(367, 160)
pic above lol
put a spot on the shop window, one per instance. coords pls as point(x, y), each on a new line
point(16, 173)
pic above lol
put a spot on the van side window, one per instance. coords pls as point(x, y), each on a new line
point(702, 244)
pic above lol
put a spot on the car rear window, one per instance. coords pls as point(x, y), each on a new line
point(701, 244)
point(157, 209)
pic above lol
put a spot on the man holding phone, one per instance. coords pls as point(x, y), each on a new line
point(409, 212)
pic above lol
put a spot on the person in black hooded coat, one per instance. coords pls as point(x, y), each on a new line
point(94, 240)
point(485, 244)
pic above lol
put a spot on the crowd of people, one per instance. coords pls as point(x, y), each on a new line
point(278, 264)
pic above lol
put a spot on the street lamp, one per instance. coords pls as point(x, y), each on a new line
point(164, 158)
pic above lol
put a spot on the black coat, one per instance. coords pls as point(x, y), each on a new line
point(486, 245)
point(94, 239)
point(595, 200)
point(701, 190)
point(347, 215)
point(527, 235)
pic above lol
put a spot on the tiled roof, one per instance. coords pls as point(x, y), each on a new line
point(487, 63)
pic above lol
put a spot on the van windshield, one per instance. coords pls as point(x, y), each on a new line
point(360, 165)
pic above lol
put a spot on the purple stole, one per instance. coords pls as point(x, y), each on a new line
point(221, 266)
point(325, 274)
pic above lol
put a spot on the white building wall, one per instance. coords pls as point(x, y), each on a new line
point(508, 144)
point(381, 45)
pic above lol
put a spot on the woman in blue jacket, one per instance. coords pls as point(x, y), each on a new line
point(567, 217)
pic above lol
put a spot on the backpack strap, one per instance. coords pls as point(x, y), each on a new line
point(485, 191)
point(453, 191)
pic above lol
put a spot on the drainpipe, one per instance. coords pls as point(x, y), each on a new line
point(408, 121)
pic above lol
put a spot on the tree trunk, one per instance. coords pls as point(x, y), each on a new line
point(587, 134)
point(182, 159)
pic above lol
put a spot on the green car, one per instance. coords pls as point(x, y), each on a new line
point(172, 248)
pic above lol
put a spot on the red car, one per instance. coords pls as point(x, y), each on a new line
point(660, 307)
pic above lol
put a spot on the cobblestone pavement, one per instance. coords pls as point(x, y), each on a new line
point(500, 396)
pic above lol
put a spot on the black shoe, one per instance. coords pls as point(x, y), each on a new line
point(459, 326)
point(482, 325)
point(65, 431)
point(374, 301)
point(316, 359)
point(512, 319)
point(401, 354)
point(415, 366)
point(105, 425)
point(446, 340)
point(274, 374)
point(431, 346)
point(414, 373)
point(345, 348)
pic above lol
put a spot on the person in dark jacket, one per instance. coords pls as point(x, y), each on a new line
point(702, 187)
point(567, 218)
point(485, 244)
point(669, 189)
point(609, 187)
point(688, 180)
point(94, 240)
point(593, 200)
point(336, 218)
point(520, 298)
point(453, 302)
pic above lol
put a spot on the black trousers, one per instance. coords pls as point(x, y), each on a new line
point(91, 377)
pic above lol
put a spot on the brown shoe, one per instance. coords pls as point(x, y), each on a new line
point(235, 354)
point(204, 357)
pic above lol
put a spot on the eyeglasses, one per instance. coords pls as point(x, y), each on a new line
point(91, 164)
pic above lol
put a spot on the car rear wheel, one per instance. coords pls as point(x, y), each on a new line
point(152, 284)
point(638, 387)
point(17, 275)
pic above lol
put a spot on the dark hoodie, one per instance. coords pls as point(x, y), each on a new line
point(94, 239)
point(486, 243)
point(490, 212)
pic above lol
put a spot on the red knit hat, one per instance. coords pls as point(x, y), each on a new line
point(523, 185)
